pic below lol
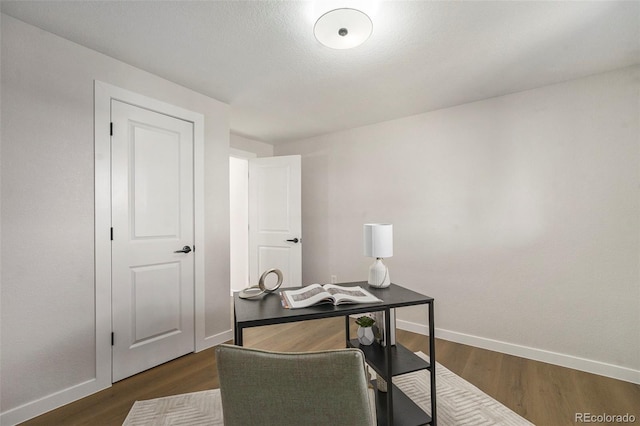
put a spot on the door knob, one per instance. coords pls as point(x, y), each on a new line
point(295, 240)
point(185, 249)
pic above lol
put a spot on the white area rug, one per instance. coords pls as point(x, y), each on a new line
point(459, 403)
point(189, 409)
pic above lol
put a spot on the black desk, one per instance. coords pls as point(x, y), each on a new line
point(268, 310)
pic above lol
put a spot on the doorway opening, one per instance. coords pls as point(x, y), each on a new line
point(239, 218)
point(265, 219)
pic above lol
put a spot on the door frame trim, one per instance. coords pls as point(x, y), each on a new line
point(103, 94)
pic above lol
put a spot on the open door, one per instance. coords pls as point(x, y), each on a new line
point(275, 223)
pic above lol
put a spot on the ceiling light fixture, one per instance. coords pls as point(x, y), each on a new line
point(343, 28)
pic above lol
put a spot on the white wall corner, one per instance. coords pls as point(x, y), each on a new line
point(259, 148)
point(563, 360)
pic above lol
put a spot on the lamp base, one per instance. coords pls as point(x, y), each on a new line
point(379, 274)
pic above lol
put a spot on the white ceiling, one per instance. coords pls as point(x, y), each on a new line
point(261, 56)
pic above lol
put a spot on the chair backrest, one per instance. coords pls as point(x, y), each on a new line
point(310, 388)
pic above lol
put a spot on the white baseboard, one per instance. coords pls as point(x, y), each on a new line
point(563, 360)
point(50, 402)
point(66, 396)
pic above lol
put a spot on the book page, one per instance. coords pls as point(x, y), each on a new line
point(350, 294)
point(306, 296)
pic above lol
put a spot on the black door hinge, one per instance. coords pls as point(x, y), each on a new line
point(112, 338)
point(111, 234)
point(111, 129)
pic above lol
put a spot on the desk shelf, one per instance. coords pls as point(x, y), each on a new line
point(412, 414)
point(403, 361)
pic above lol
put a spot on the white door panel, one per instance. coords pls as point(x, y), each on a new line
point(155, 186)
point(275, 217)
point(155, 314)
point(152, 217)
point(274, 198)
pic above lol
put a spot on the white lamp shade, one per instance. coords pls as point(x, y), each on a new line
point(378, 240)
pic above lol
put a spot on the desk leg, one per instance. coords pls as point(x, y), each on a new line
point(237, 331)
point(432, 361)
point(387, 332)
point(347, 331)
point(237, 339)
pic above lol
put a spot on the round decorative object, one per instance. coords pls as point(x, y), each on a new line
point(261, 288)
point(366, 335)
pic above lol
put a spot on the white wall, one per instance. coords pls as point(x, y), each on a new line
point(47, 217)
point(519, 214)
point(239, 223)
point(261, 149)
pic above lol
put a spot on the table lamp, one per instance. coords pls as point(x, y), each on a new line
point(378, 243)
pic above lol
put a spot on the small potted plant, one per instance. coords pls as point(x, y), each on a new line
point(366, 335)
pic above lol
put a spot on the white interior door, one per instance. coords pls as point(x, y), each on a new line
point(275, 223)
point(152, 218)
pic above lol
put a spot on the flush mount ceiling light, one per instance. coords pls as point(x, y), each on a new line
point(343, 28)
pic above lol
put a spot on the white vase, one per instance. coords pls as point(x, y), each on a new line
point(366, 336)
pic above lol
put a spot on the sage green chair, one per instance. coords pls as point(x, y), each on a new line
point(280, 389)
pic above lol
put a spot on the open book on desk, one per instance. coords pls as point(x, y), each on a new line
point(316, 294)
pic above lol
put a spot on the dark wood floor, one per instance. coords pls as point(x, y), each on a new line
point(542, 393)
